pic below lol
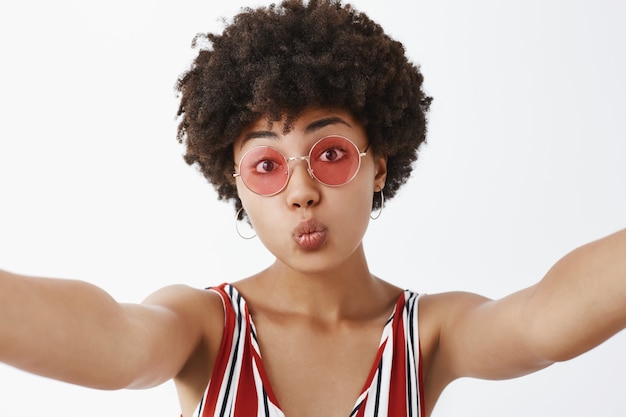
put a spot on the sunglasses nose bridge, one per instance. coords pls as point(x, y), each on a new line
point(302, 158)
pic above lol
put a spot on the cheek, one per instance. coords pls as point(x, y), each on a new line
point(247, 197)
point(361, 207)
point(252, 204)
point(366, 185)
point(353, 204)
point(260, 210)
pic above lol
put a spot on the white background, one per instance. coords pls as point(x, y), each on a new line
point(526, 160)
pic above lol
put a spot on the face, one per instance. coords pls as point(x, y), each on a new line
point(311, 224)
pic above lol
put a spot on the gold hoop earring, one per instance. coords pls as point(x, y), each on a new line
point(237, 226)
point(380, 207)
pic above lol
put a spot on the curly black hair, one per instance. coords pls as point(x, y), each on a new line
point(276, 61)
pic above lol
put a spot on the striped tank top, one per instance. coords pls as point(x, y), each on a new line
point(239, 386)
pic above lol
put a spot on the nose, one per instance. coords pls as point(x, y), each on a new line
point(302, 189)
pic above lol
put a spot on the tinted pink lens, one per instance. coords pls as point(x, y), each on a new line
point(264, 170)
point(334, 160)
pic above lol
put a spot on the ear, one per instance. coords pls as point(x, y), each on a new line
point(380, 166)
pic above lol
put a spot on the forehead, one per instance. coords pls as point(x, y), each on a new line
point(311, 123)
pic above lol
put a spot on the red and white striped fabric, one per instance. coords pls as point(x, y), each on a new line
point(239, 386)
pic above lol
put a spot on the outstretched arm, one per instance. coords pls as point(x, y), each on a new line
point(582, 300)
point(580, 303)
point(75, 332)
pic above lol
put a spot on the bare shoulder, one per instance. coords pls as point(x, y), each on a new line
point(183, 297)
point(203, 310)
point(442, 307)
point(439, 314)
point(198, 308)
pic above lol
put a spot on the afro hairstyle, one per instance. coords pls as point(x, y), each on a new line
point(274, 62)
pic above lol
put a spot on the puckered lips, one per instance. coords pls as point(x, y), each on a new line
point(310, 234)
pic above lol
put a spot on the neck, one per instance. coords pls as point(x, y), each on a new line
point(345, 291)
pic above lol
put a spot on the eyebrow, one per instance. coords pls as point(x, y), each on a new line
point(311, 128)
point(318, 124)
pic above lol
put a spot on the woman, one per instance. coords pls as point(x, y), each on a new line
point(307, 140)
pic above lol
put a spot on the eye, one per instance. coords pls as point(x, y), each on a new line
point(332, 154)
point(265, 166)
point(263, 160)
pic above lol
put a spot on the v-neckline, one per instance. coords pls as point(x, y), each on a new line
point(258, 357)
